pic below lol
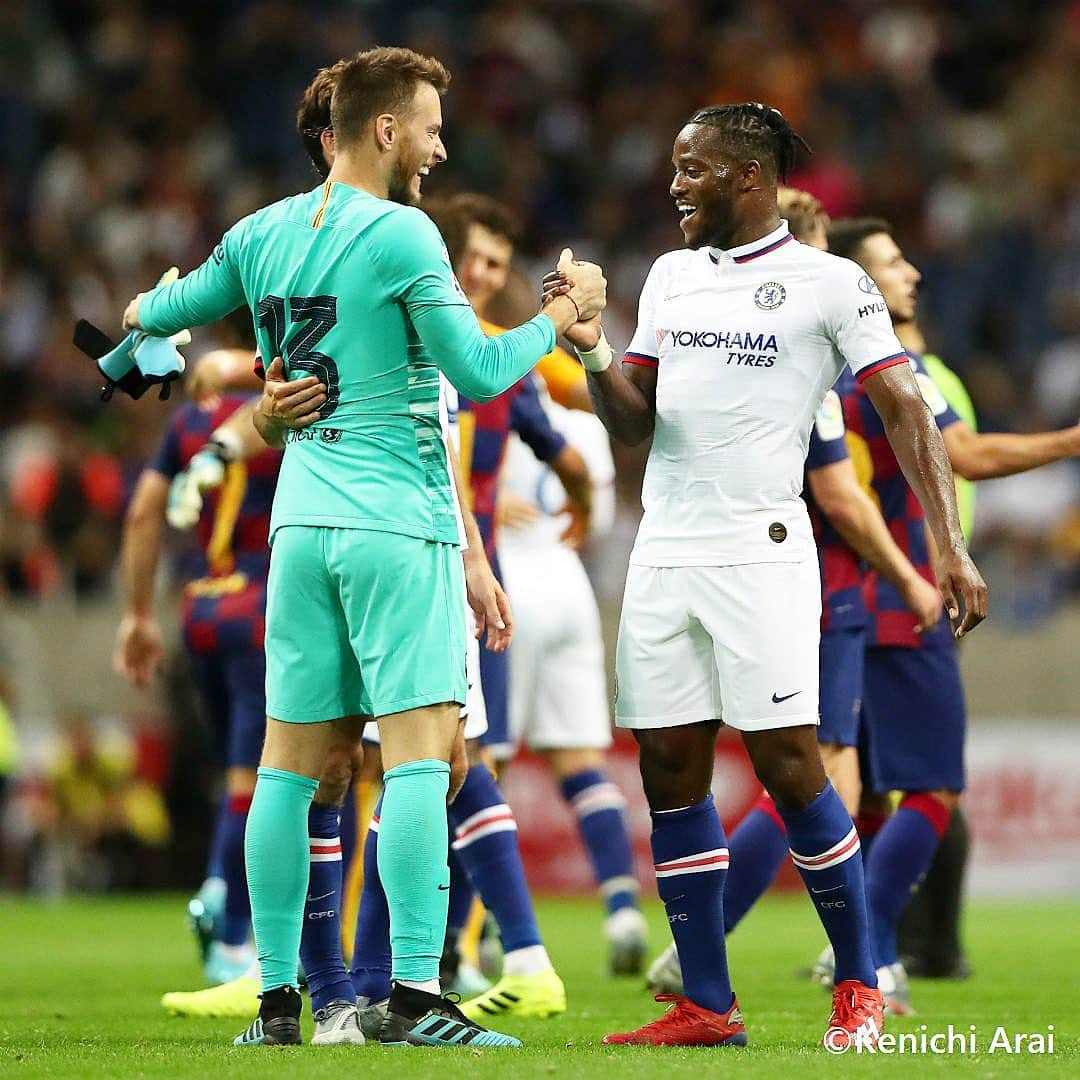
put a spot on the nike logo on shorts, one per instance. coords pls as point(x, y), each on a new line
point(777, 700)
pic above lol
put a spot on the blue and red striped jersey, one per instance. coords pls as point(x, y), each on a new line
point(841, 569)
point(225, 603)
point(484, 430)
point(889, 621)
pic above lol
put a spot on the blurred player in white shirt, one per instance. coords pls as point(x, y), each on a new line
point(558, 686)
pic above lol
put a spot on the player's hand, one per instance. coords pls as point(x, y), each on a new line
point(962, 589)
point(582, 335)
point(923, 601)
point(138, 650)
point(131, 312)
point(583, 283)
point(577, 530)
point(293, 404)
point(515, 513)
point(489, 602)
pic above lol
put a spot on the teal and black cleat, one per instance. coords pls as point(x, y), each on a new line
point(205, 910)
point(278, 1022)
point(415, 1018)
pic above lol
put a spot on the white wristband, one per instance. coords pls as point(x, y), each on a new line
point(597, 358)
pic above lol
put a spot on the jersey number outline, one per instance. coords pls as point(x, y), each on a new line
point(320, 315)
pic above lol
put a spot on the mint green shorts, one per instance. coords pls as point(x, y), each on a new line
point(362, 623)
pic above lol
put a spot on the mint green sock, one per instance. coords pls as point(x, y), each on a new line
point(277, 857)
point(412, 865)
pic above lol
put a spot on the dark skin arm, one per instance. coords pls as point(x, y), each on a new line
point(917, 443)
point(624, 397)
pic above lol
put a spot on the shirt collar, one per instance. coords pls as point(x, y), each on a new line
point(756, 248)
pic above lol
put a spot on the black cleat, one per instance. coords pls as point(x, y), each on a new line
point(416, 1018)
point(278, 1022)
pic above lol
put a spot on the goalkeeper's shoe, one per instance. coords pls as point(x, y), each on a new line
point(686, 1024)
point(416, 1018)
point(542, 994)
point(278, 1022)
point(337, 1025)
point(665, 974)
point(227, 962)
point(824, 969)
point(234, 999)
point(857, 1017)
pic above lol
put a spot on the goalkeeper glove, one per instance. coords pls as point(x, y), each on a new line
point(204, 472)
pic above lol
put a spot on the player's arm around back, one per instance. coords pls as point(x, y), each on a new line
point(410, 258)
point(914, 436)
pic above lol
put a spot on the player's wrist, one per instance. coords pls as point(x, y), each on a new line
point(563, 311)
point(599, 357)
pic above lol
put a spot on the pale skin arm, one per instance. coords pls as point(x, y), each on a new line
point(487, 598)
point(138, 648)
point(977, 456)
point(852, 512)
point(917, 443)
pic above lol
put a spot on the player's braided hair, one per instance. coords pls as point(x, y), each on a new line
point(753, 130)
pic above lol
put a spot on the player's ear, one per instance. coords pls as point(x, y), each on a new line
point(751, 175)
point(385, 131)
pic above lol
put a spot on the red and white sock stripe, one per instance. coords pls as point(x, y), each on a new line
point(373, 825)
point(604, 796)
point(835, 855)
point(491, 819)
point(703, 861)
point(325, 848)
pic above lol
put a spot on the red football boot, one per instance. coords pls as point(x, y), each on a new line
point(857, 1017)
point(686, 1024)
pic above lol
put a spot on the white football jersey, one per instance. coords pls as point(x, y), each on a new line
point(527, 478)
point(746, 343)
point(448, 417)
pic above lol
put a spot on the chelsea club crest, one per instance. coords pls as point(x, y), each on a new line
point(770, 295)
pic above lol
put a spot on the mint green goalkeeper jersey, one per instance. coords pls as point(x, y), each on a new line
point(358, 291)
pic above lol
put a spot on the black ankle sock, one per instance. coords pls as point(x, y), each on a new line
point(282, 1001)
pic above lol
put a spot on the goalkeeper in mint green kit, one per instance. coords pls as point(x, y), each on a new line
point(352, 287)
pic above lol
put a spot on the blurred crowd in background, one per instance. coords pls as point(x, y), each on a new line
point(132, 134)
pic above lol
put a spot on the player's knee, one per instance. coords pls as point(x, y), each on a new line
point(791, 776)
point(568, 762)
point(671, 776)
point(337, 773)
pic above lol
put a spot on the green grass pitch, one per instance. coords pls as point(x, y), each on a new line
point(83, 979)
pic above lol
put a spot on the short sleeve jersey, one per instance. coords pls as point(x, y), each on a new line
point(841, 569)
point(746, 342)
point(358, 291)
point(889, 620)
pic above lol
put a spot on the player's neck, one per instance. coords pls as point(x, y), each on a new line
point(359, 171)
point(910, 336)
point(753, 228)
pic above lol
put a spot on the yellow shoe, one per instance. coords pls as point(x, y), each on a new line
point(542, 994)
point(238, 998)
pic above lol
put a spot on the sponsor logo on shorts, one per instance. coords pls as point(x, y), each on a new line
point(787, 697)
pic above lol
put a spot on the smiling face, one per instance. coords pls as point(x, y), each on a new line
point(417, 145)
point(704, 187)
point(898, 280)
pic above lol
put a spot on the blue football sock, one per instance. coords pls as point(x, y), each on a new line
point(825, 850)
point(485, 840)
point(277, 858)
point(601, 814)
point(901, 856)
point(461, 897)
point(237, 921)
point(215, 863)
point(348, 831)
point(320, 943)
point(758, 848)
point(691, 859)
point(370, 971)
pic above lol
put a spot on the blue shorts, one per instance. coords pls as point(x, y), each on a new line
point(841, 685)
point(232, 684)
point(915, 717)
point(495, 681)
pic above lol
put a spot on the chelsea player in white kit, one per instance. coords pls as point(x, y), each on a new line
point(739, 336)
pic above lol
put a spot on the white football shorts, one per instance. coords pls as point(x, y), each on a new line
point(558, 685)
point(735, 643)
point(474, 711)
